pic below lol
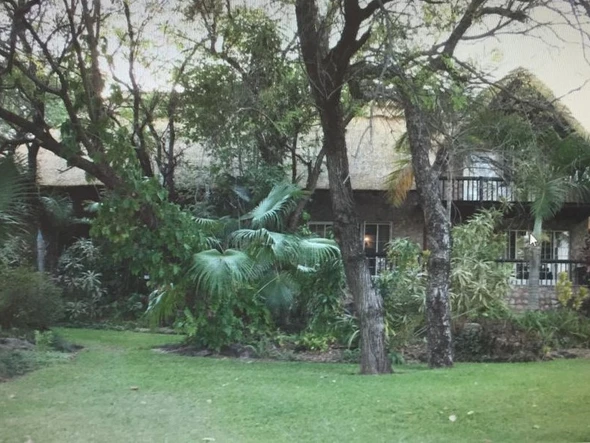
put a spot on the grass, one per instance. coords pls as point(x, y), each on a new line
point(183, 399)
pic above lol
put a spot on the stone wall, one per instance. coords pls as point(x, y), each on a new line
point(518, 298)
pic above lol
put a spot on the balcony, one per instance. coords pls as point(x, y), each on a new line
point(485, 189)
point(549, 272)
point(476, 189)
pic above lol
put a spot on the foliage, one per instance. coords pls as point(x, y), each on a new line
point(230, 280)
point(495, 340)
point(403, 288)
point(44, 340)
point(559, 328)
point(320, 302)
point(16, 250)
point(14, 192)
point(15, 363)
point(81, 283)
point(254, 89)
point(94, 286)
point(28, 299)
point(566, 295)
point(478, 281)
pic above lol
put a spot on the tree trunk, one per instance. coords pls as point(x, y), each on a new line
point(326, 70)
point(369, 305)
point(310, 187)
point(438, 238)
point(535, 267)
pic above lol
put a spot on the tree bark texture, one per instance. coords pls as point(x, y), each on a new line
point(438, 238)
point(368, 302)
point(326, 69)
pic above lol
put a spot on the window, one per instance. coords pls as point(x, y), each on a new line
point(321, 229)
point(555, 246)
point(375, 239)
point(482, 178)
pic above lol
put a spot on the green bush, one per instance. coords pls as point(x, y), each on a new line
point(495, 340)
point(478, 281)
point(94, 287)
point(14, 363)
point(559, 328)
point(28, 300)
point(403, 288)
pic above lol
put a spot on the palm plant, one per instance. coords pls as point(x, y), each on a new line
point(14, 193)
point(548, 183)
point(256, 262)
point(547, 165)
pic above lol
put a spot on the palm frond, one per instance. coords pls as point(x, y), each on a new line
point(549, 197)
point(399, 182)
point(315, 250)
point(215, 272)
point(59, 211)
point(14, 193)
point(279, 291)
point(268, 247)
point(271, 211)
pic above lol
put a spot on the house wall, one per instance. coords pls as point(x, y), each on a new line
point(373, 207)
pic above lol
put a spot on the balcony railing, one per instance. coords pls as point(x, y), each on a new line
point(549, 272)
point(478, 189)
point(485, 189)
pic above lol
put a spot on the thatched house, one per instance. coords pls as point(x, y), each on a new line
point(371, 140)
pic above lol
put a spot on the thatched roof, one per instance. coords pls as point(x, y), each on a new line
point(371, 140)
point(371, 154)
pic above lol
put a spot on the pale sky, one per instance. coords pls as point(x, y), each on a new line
point(561, 65)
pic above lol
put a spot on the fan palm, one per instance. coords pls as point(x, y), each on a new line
point(257, 256)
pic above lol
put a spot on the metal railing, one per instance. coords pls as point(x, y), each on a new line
point(377, 263)
point(486, 189)
point(549, 271)
point(476, 189)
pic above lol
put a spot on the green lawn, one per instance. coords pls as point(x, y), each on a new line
point(183, 399)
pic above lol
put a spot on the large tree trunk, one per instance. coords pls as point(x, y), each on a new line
point(438, 238)
point(535, 267)
point(369, 305)
point(326, 70)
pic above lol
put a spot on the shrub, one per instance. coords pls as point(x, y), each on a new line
point(403, 288)
point(28, 299)
point(478, 281)
point(320, 301)
point(567, 297)
point(558, 328)
point(14, 363)
point(94, 287)
point(495, 340)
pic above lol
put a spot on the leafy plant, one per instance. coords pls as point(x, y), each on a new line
point(478, 281)
point(558, 328)
point(567, 297)
point(44, 340)
point(232, 287)
point(28, 299)
point(403, 288)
